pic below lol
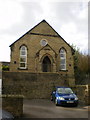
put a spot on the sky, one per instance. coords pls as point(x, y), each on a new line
point(69, 19)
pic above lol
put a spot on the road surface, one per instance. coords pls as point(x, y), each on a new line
point(42, 108)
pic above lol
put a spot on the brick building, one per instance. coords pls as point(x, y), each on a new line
point(42, 50)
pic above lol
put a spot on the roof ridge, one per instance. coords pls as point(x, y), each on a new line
point(36, 26)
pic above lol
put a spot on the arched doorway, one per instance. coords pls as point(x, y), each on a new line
point(46, 64)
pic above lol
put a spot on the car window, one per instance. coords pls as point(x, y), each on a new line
point(68, 91)
point(64, 90)
point(60, 90)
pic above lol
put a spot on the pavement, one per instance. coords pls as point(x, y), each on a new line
point(43, 108)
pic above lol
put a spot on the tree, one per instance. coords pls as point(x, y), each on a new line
point(81, 66)
point(5, 68)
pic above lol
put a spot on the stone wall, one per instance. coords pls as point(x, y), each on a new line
point(40, 85)
point(13, 104)
point(82, 92)
point(89, 94)
point(32, 85)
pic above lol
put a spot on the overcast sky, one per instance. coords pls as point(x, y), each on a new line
point(69, 19)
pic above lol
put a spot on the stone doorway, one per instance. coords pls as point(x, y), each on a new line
point(46, 64)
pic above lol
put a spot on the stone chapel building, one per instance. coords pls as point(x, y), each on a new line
point(42, 50)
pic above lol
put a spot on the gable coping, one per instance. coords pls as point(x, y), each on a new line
point(43, 34)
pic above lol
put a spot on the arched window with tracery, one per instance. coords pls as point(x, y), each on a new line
point(62, 59)
point(23, 57)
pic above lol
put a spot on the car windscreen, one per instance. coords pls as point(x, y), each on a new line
point(64, 90)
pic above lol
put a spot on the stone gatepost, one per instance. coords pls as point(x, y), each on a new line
point(13, 104)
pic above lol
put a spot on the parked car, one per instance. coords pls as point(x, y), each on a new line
point(5, 115)
point(64, 96)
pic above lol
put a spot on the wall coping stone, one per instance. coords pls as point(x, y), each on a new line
point(11, 96)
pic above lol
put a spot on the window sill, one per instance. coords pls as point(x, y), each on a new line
point(22, 68)
point(63, 70)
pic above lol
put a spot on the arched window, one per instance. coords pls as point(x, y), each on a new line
point(23, 57)
point(62, 59)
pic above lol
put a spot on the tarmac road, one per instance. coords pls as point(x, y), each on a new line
point(42, 108)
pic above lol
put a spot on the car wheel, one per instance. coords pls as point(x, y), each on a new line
point(75, 105)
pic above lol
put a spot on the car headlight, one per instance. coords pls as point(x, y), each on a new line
point(76, 98)
point(60, 98)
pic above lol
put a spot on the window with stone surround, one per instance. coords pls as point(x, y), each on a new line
point(23, 57)
point(62, 59)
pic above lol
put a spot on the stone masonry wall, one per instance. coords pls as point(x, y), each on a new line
point(40, 85)
point(82, 92)
point(89, 94)
point(32, 85)
point(13, 104)
point(32, 41)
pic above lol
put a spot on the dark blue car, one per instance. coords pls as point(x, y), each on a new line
point(64, 96)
